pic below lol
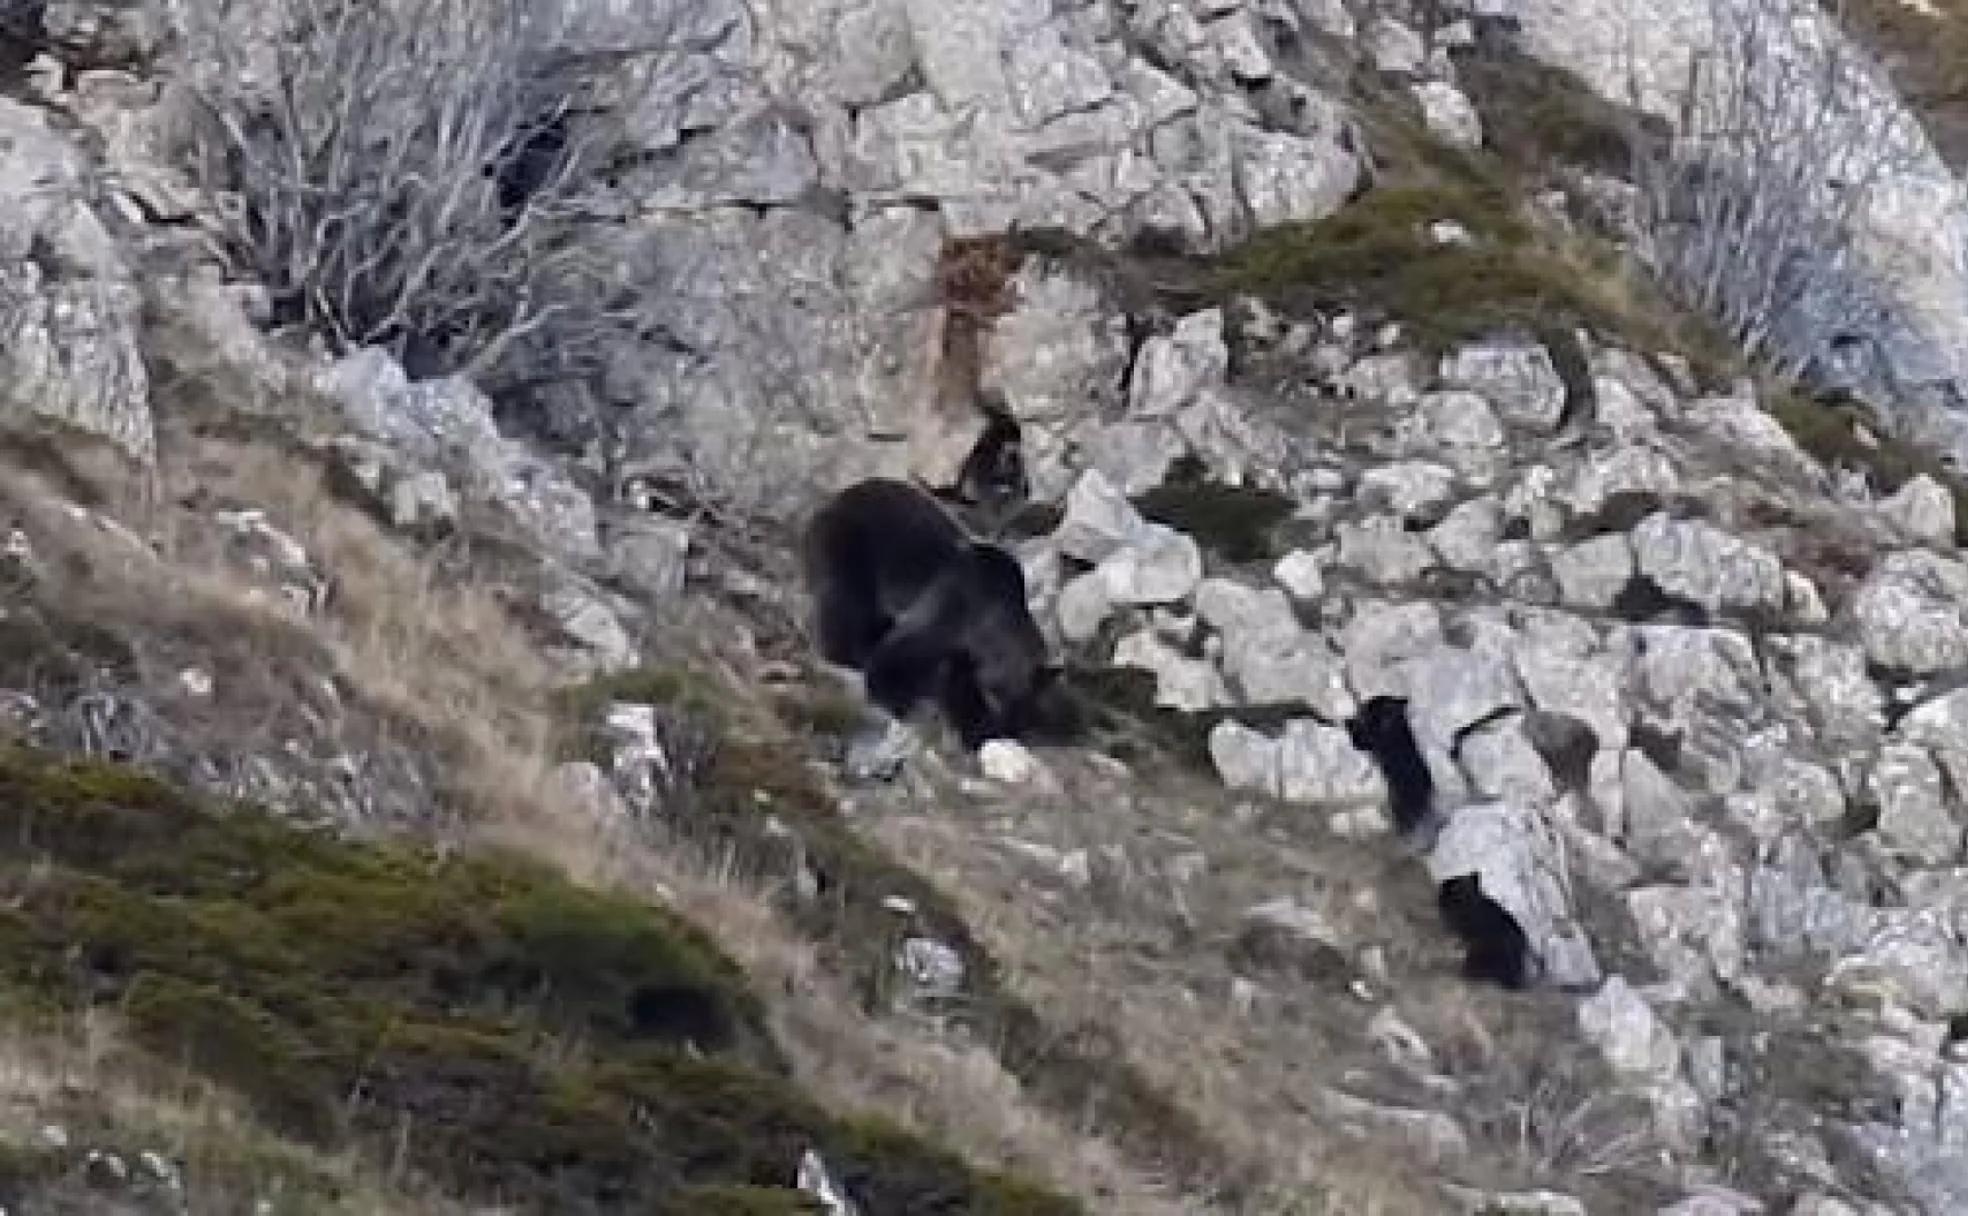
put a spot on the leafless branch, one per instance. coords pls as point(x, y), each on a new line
point(1752, 206)
point(421, 175)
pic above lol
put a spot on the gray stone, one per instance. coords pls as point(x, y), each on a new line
point(1382, 551)
point(1517, 377)
point(1409, 488)
point(1456, 421)
point(1468, 535)
point(1702, 563)
point(650, 555)
point(1922, 510)
point(1170, 370)
point(1912, 612)
point(1246, 760)
point(1158, 566)
point(1300, 573)
point(1915, 958)
point(1061, 352)
point(1099, 521)
point(1633, 1040)
point(1394, 47)
point(1318, 765)
point(1592, 574)
point(1941, 726)
point(1914, 821)
point(1449, 114)
point(1181, 683)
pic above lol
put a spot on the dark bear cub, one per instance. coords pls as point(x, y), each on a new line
point(923, 611)
point(1381, 729)
point(1494, 945)
point(993, 474)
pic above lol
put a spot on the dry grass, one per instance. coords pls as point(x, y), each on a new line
point(1251, 1050)
point(92, 1094)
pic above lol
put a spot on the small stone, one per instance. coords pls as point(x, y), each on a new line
point(931, 965)
point(1008, 762)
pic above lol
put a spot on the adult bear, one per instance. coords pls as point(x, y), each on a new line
point(923, 610)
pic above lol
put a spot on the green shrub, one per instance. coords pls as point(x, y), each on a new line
point(509, 1034)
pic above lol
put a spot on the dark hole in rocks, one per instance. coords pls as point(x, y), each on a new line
point(1619, 513)
point(1861, 816)
point(1032, 519)
point(1235, 522)
point(1642, 601)
point(1566, 744)
point(1662, 748)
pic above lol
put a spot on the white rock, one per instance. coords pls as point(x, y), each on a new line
point(1592, 573)
point(1172, 369)
point(1301, 574)
point(1383, 551)
point(1318, 765)
point(1700, 562)
point(1923, 510)
point(1914, 819)
point(1449, 114)
point(1181, 683)
point(1912, 612)
point(1098, 519)
point(1008, 762)
point(1158, 566)
point(1518, 377)
point(1634, 1041)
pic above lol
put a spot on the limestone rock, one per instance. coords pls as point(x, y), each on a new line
point(1912, 612)
point(1517, 377)
point(1922, 510)
point(1700, 562)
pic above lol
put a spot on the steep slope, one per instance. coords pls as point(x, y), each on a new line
point(1339, 377)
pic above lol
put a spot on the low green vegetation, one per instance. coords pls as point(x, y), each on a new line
point(1237, 523)
point(1830, 428)
point(1536, 116)
point(1378, 254)
point(504, 1035)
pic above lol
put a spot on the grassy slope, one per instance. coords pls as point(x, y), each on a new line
point(480, 1022)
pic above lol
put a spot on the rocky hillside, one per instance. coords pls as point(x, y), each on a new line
point(423, 795)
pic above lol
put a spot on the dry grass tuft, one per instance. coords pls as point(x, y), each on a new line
point(66, 1094)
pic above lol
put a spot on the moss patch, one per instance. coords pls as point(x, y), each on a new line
point(502, 1032)
point(1828, 427)
point(1536, 115)
point(1236, 523)
point(1376, 254)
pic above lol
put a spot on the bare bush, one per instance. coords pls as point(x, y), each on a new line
point(1752, 208)
point(420, 174)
